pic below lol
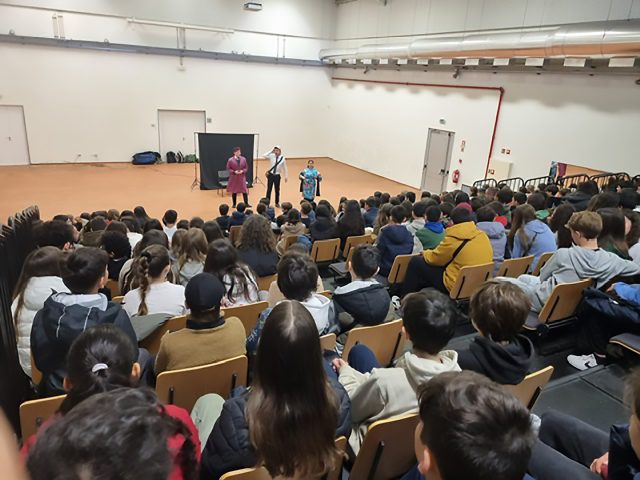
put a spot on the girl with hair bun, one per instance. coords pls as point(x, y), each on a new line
point(155, 294)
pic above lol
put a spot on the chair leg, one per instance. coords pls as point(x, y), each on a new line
point(172, 393)
point(234, 381)
point(376, 461)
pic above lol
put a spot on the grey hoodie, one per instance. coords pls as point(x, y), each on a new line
point(498, 238)
point(386, 392)
point(574, 264)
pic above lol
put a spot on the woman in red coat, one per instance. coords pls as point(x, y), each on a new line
point(237, 167)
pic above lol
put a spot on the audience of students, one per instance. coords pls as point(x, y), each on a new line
point(394, 239)
point(433, 232)
point(292, 228)
point(496, 233)
point(351, 222)
point(429, 320)
point(291, 399)
point(238, 216)
point(223, 219)
point(208, 337)
point(240, 284)
point(126, 279)
point(257, 246)
point(274, 295)
point(154, 294)
point(117, 246)
point(371, 211)
point(325, 226)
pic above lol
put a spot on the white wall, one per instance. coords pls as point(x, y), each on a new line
point(588, 121)
point(105, 104)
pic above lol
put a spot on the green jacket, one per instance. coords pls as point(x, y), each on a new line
point(429, 239)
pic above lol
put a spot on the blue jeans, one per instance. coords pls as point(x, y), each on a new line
point(362, 358)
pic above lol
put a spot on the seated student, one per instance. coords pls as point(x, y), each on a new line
point(305, 213)
point(463, 245)
point(293, 228)
point(209, 337)
point(383, 218)
point(155, 294)
point(351, 222)
point(370, 211)
point(239, 216)
point(282, 218)
point(183, 224)
point(212, 231)
point(133, 230)
point(223, 219)
point(270, 211)
point(297, 280)
point(558, 224)
point(539, 203)
point(501, 214)
point(196, 222)
point(569, 448)
point(582, 196)
point(64, 316)
point(530, 236)
point(117, 246)
point(471, 428)
point(169, 220)
point(433, 232)
point(39, 279)
point(100, 360)
point(505, 196)
point(584, 260)
point(394, 239)
point(124, 433)
point(376, 393)
point(291, 399)
point(519, 198)
point(191, 256)
point(54, 233)
point(274, 294)
point(325, 226)
point(126, 279)
point(364, 300)
point(90, 235)
point(633, 234)
point(612, 237)
point(257, 246)
point(498, 311)
point(417, 223)
point(496, 233)
point(223, 261)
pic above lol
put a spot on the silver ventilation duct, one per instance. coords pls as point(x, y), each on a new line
point(619, 38)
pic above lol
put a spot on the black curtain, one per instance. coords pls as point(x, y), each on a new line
point(214, 151)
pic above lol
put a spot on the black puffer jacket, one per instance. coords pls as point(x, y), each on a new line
point(229, 447)
point(578, 199)
point(367, 306)
point(59, 323)
point(323, 229)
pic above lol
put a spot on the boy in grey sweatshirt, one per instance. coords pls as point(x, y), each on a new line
point(582, 261)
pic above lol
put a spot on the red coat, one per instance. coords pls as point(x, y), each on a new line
point(237, 182)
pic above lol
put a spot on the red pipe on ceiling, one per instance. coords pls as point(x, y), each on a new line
point(442, 85)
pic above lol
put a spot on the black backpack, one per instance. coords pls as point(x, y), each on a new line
point(171, 157)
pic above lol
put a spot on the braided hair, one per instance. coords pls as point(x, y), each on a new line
point(152, 262)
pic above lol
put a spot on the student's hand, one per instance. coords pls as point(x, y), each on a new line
point(337, 364)
point(611, 288)
point(598, 463)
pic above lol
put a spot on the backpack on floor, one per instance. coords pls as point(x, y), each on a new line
point(179, 156)
point(146, 158)
point(171, 157)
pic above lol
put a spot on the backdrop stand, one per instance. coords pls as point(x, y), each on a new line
point(256, 178)
point(196, 181)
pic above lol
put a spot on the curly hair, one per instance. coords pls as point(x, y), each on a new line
point(256, 234)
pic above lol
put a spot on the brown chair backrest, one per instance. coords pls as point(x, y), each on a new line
point(328, 341)
point(563, 301)
point(542, 260)
point(261, 473)
point(34, 412)
point(383, 340)
point(265, 282)
point(234, 234)
point(325, 250)
point(469, 279)
point(152, 342)
point(36, 375)
point(117, 299)
point(514, 267)
point(113, 287)
point(387, 451)
point(185, 386)
point(326, 293)
point(248, 314)
point(399, 269)
point(528, 389)
point(354, 241)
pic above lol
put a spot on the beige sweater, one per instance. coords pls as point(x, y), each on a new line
point(196, 347)
point(386, 392)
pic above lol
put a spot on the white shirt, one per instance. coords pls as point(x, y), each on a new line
point(162, 297)
point(282, 166)
point(169, 231)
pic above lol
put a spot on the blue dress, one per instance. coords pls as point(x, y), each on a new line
point(309, 183)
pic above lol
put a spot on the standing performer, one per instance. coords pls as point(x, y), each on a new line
point(310, 179)
point(277, 164)
point(237, 167)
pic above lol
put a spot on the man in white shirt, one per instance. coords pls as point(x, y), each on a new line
point(277, 166)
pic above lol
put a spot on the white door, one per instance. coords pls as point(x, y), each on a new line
point(176, 130)
point(14, 149)
point(437, 158)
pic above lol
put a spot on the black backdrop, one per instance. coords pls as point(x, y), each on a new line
point(214, 151)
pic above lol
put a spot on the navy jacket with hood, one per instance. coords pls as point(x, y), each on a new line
point(393, 240)
point(229, 446)
point(368, 305)
point(59, 323)
point(237, 218)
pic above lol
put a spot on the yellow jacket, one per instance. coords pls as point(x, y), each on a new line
point(476, 251)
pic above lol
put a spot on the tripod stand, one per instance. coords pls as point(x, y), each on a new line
point(196, 181)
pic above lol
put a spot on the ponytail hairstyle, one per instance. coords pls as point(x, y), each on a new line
point(522, 215)
point(99, 360)
point(153, 260)
point(44, 262)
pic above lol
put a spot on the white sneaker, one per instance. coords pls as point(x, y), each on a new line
point(395, 301)
point(582, 362)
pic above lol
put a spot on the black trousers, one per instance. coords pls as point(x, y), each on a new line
point(565, 448)
point(422, 275)
point(245, 197)
point(273, 181)
point(595, 329)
